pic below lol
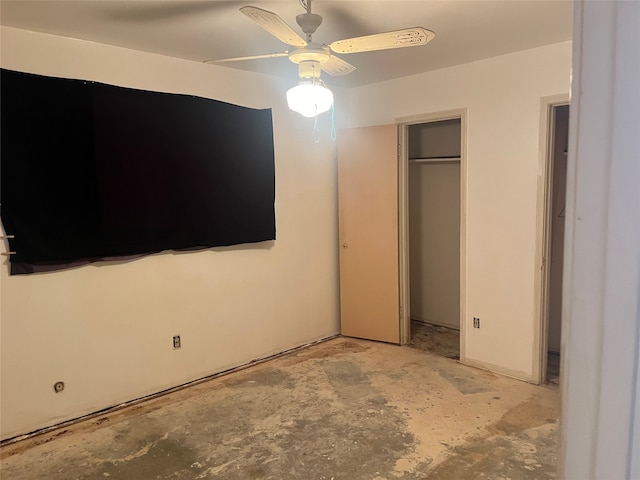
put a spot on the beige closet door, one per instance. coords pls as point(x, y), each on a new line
point(368, 205)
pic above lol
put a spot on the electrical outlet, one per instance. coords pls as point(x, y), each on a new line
point(176, 341)
point(476, 322)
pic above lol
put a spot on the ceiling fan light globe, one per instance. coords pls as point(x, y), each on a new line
point(309, 98)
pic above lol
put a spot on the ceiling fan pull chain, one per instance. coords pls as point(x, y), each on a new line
point(316, 128)
point(333, 121)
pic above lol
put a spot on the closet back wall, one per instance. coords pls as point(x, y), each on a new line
point(434, 242)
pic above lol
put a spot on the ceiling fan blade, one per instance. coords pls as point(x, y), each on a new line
point(273, 24)
point(336, 66)
point(253, 57)
point(408, 37)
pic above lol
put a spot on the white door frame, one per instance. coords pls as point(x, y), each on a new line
point(543, 229)
point(403, 216)
point(600, 385)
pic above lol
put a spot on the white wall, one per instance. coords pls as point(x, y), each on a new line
point(502, 95)
point(434, 242)
point(106, 330)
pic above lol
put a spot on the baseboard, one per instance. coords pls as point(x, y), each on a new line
point(507, 372)
point(433, 322)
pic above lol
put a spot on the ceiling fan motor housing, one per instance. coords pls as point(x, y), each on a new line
point(313, 51)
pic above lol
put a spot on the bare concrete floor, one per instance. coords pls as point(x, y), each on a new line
point(345, 409)
point(437, 340)
point(553, 368)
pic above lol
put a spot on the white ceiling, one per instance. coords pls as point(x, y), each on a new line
point(466, 30)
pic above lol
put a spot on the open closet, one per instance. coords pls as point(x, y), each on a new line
point(557, 163)
point(434, 235)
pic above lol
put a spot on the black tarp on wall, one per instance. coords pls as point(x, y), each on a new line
point(92, 171)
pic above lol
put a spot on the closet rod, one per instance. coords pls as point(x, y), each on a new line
point(435, 160)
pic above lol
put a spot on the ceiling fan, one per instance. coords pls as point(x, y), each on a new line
point(312, 58)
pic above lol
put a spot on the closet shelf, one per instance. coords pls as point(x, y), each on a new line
point(434, 159)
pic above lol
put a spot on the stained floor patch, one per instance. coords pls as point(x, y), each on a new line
point(163, 456)
point(466, 382)
point(531, 413)
point(269, 377)
point(345, 347)
point(531, 456)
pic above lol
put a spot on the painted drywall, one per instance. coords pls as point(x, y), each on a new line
point(558, 213)
point(434, 242)
point(502, 97)
point(106, 329)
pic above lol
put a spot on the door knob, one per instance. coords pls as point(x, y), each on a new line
point(345, 245)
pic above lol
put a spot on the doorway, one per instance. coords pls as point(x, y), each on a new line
point(431, 232)
point(557, 185)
